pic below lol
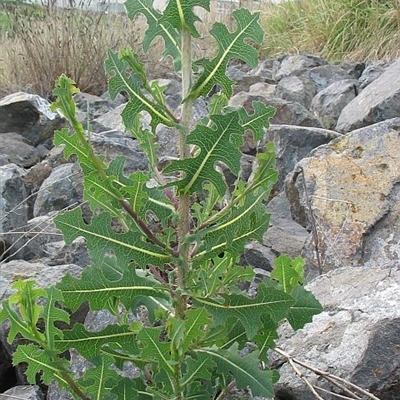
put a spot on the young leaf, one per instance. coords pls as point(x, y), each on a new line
point(40, 361)
point(245, 369)
point(157, 27)
point(231, 45)
point(216, 144)
point(122, 79)
point(288, 272)
point(181, 16)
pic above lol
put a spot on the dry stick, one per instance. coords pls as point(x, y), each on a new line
point(313, 225)
point(340, 396)
point(329, 377)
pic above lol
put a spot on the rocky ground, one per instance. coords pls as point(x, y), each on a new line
point(336, 132)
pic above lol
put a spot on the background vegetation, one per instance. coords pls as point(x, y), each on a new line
point(38, 43)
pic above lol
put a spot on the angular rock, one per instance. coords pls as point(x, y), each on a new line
point(292, 143)
point(297, 64)
point(354, 68)
point(351, 185)
point(262, 89)
point(287, 112)
point(28, 115)
point(379, 101)
point(325, 75)
point(13, 210)
point(284, 236)
point(16, 151)
point(299, 89)
point(265, 70)
point(62, 189)
point(371, 72)
point(329, 102)
point(23, 392)
point(357, 336)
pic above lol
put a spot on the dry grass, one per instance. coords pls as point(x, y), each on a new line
point(337, 29)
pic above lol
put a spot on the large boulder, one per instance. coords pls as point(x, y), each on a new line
point(379, 101)
point(28, 115)
point(344, 192)
point(357, 337)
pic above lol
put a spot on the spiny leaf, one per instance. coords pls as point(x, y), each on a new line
point(65, 89)
point(246, 221)
point(216, 144)
point(123, 80)
point(17, 325)
point(40, 361)
point(288, 272)
point(100, 379)
point(89, 344)
point(197, 367)
point(195, 324)
point(304, 308)
point(266, 336)
point(231, 45)
point(248, 310)
point(258, 120)
point(52, 313)
point(96, 288)
point(128, 389)
point(100, 238)
point(245, 369)
point(181, 16)
point(156, 28)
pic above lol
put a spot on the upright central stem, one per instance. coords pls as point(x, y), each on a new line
point(184, 152)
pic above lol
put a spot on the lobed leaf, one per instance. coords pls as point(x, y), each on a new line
point(217, 144)
point(245, 369)
point(231, 45)
point(179, 13)
point(101, 238)
point(98, 286)
point(248, 310)
point(157, 27)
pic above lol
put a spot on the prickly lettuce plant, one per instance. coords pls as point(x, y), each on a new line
point(167, 242)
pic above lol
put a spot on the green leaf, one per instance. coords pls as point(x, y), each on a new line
point(258, 121)
point(266, 336)
point(89, 344)
point(248, 310)
point(17, 325)
point(65, 89)
point(157, 27)
point(305, 307)
point(52, 313)
point(288, 272)
point(231, 45)
point(40, 361)
point(216, 144)
point(100, 239)
point(97, 288)
point(197, 367)
point(122, 79)
point(99, 380)
point(245, 369)
point(195, 326)
point(181, 16)
point(128, 389)
point(246, 221)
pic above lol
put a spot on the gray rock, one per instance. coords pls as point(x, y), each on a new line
point(262, 89)
point(13, 210)
point(258, 256)
point(329, 102)
point(111, 119)
point(292, 143)
point(287, 112)
point(284, 236)
point(16, 151)
point(356, 337)
point(297, 64)
point(294, 88)
point(23, 392)
point(62, 189)
point(379, 101)
point(354, 68)
point(350, 187)
point(371, 72)
point(28, 115)
point(264, 70)
point(325, 75)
